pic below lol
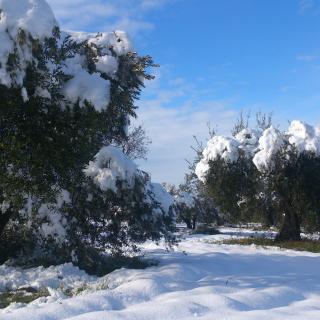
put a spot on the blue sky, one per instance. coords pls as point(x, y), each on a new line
point(217, 58)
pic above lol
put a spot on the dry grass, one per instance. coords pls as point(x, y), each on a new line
point(21, 296)
point(303, 245)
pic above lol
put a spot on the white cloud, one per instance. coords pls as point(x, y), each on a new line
point(171, 123)
point(172, 130)
point(101, 15)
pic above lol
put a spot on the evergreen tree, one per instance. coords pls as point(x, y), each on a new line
point(63, 97)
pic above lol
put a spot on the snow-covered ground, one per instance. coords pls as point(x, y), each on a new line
point(200, 279)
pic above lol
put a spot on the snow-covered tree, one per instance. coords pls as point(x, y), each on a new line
point(66, 99)
point(191, 203)
point(186, 208)
point(264, 171)
point(291, 163)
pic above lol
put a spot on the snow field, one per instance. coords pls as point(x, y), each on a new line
point(200, 279)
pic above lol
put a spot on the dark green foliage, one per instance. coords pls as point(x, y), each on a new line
point(285, 195)
point(233, 186)
point(205, 209)
point(117, 221)
point(295, 179)
point(288, 195)
point(46, 142)
point(102, 265)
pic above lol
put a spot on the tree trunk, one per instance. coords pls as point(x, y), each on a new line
point(194, 221)
point(4, 219)
point(290, 227)
point(187, 222)
point(269, 216)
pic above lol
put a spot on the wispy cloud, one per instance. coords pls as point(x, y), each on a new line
point(100, 15)
point(309, 7)
point(305, 5)
point(307, 58)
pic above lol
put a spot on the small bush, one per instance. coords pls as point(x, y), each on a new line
point(91, 261)
point(205, 229)
point(21, 296)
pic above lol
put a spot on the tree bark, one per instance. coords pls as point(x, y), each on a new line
point(4, 219)
point(194, 221)
point(290, 227)
point(187, 222)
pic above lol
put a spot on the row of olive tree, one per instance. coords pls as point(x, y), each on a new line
point(265, 175)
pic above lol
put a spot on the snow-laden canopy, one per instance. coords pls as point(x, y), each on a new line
point(261, 147)
point(111, 164)
point(35, 18)
point(227, 148)
point(248, 140)
point(32, 16)
point(161, 196)
point(269, 144)
point(219, 146)
point(91, 86)
point(185, 199)
point(304, 137)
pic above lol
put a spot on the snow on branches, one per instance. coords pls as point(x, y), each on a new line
point(109, 166)
point(25, 24)
point(259, 146)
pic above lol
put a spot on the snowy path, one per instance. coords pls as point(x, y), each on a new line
point(208, 281)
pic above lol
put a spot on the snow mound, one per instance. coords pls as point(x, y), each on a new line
point(248, 140)
point(33, 16)
point(161, 196)
point(203, 279)
point(93, 87)
point(224, 147)
point(202, 169)
point(109, 166)
point(269, 144)
point(304, 137)
point(54, 277)
point(117, 41)
point(218, 146)
point(87, 87)
point(24, 18)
